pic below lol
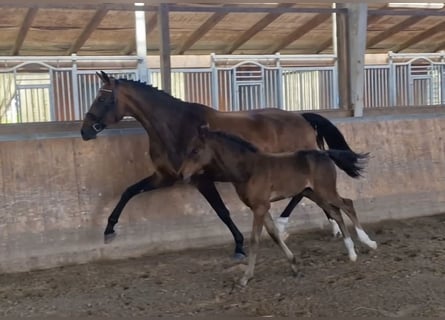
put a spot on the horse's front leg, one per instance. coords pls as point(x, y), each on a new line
point(152, 182)
point(208, 189)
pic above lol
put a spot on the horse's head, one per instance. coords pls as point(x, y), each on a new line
point(198, 154)
point(104, 110)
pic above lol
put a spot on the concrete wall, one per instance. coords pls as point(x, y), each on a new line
point(58, 192)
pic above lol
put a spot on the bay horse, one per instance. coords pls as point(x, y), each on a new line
point(261, 178)
point(171, 123)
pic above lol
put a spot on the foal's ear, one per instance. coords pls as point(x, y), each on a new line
point(203, 130)
point(104, 77)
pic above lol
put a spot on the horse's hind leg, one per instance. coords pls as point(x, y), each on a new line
point(348, 207)
point(335, 213)
point(275, 235)
point(208, 190)
point(283, 219)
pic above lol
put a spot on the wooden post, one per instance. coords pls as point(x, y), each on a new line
point(358, 13)
point(342, 48)
point(141, 44)
point(163, 22)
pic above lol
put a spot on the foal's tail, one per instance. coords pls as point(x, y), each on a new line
point(350, 162)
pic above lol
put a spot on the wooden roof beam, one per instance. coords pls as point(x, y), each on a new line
point(299, 32)
point(257, 27)
point(394, 29)
point(326, 44)
point(439, 47)
point(89, 29)
point(420, 37)
point(150, 26)
point(201, 31)
point(24, 28)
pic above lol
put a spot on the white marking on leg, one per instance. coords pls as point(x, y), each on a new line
point(335, 228)
point(350, 247)
point(281, 224)
point(363, 236)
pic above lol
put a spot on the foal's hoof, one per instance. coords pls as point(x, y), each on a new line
point(239, 256)
point(243, 282)
point(372, 244)
point(109, 237)
point(284, 235)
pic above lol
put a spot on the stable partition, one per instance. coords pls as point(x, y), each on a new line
point(59, 190)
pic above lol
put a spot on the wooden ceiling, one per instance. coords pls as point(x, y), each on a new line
point(95, 28)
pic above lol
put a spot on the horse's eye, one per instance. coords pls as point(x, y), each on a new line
point(101, 99)
point(194, 152)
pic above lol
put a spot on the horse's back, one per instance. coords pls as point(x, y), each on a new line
point(271, 130)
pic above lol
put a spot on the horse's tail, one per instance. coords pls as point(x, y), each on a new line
point(350, 162)
point(326, 131)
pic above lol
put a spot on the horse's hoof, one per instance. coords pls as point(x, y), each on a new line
point(337, 235)
point(109, 237)
point(238, 256)
point(298, 274)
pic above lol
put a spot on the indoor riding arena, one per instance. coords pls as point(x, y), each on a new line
point(374, 71)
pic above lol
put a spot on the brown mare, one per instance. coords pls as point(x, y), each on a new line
point(261, 178)
point(171, 123)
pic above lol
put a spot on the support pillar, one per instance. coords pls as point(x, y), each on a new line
point(163, 22)
point(351, 48)
point(141, 44)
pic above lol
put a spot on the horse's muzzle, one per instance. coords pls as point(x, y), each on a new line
point(88, 134)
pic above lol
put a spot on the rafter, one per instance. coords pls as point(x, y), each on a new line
point(89, 29)
point(440, 46)
point(326, 44)
point(201, 31)
point(257, 27)
point(421, 36)
point(394, 29)
point(149, 27)
point(27, 22)
point(301, 31)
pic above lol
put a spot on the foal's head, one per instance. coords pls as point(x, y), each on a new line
point(198, 154)
point(104, 110)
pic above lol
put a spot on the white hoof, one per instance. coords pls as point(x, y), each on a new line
point(372, 244)
point(353, 257)
point(335, 229)
point(281, 226)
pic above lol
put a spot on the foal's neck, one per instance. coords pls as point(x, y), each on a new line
point(235, 165)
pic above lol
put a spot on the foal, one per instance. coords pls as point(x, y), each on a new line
point(260, 178)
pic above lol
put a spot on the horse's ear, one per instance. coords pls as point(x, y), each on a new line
point(104, 77)
point(203, 130)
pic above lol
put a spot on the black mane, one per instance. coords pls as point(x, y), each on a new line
point(242, 144)
point(145, 86)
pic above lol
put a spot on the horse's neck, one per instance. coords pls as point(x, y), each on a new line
point(164, 119)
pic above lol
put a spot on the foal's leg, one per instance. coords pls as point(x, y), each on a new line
point(155, 181)
point(348, 207)
point(283, 219)
point(208, 190)
point(335, 213)
point(258, 221)
point(275, 235)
